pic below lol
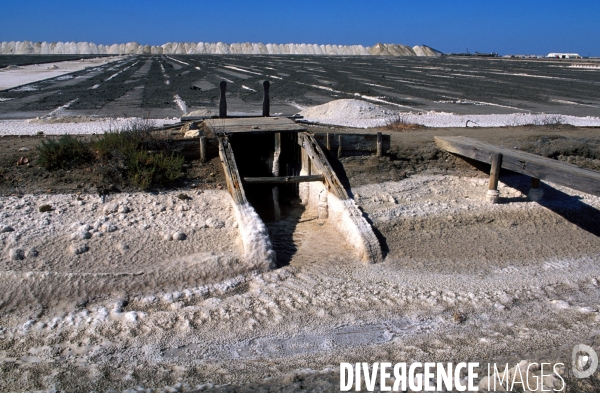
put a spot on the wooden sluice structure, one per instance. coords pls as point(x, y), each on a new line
point(279, 157)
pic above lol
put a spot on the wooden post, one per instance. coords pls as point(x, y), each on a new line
point(328, 142)
point(492, 193)
point(223, 102)
point(535, 192)
point(379, 144)
point(202, 149)
point(276, 154)
point(339, 146)
point(266, 102)
point(275, 171)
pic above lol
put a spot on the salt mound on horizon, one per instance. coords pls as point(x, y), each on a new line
point(182, 48)
point(348, 112)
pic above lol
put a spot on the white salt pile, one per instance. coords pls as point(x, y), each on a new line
point(348, 112)
point(361, 114)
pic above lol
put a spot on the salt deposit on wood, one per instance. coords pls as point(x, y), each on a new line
point(181, 48)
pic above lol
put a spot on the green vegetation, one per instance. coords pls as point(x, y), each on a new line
point(145, 169)
point(64, 153)
point(132, 151)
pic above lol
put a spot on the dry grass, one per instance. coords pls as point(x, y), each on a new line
point(400, 123)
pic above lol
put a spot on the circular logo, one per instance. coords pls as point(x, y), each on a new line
point(584, 361)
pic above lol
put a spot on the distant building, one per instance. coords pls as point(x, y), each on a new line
point(564, 56)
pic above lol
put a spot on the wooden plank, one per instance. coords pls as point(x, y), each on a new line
point(283, 179)
point(543, 168)
point(252, 124)
point(353, 144)
point(319, 160)
point(186, 147)
point(232, 176)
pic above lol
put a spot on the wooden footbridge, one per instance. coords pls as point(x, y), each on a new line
point(537, 167)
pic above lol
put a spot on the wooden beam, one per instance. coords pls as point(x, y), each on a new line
point(283, 179)
point(232, 176)
point(542, 168)
point(319, 160)
point(354, 144)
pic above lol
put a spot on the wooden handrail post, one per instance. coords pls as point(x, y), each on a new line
point(275, 169)
point(535, 192)
point(493, 194)
point(223, 102)
point(202, 149)
point(266, 101)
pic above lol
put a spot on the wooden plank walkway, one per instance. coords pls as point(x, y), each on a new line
point(227, 126)
point(537, 167)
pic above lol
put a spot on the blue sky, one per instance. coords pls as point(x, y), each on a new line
point(505, 26)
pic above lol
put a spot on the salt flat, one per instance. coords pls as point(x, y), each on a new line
point(22, 75)
point(171, 85)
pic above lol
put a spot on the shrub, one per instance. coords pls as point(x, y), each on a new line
point(399, 122)
point(145, 169)
point(63, 153)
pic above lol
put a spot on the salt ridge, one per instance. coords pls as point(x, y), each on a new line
point(190, 48)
